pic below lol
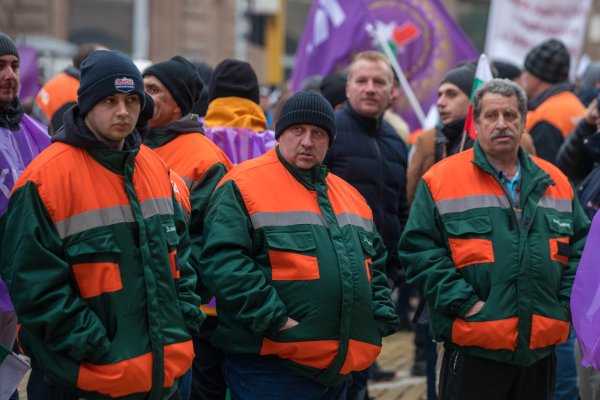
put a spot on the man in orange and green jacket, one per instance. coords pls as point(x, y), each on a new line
point(493, 239)
point(97, 255)
point(297, 266)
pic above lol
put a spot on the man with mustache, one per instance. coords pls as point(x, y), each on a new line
point(493, 241)
point(297, 267)
point(97, 255)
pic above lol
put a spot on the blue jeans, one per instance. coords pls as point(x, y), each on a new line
point(184, 385)
point(262, 378)
point(566, 376)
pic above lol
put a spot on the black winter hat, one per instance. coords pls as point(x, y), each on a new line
point(333, 88)
point(462, 77)
point(106, 72)
point(7, 46)
point(506, 70)
point(181, 79)
point(234, 78)
point(306, 107)
point(549, 61)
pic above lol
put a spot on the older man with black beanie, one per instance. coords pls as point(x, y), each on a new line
point(97, 258)
point(302, 295)
point(554, 108)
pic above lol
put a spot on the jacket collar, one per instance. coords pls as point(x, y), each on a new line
point(158, 137)
point(76, 133)
point(531, 174)
point(371, 126)
point(553, 90)
point(236, 112)
point(10, 116)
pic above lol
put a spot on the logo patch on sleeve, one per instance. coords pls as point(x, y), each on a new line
point(124, 85)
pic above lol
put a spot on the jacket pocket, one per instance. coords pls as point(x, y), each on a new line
point(465, 245)
point(561, 230)
point(172, 240)
point(366, 242)
point(547, 331)
point(292, 255)
point(94, 260)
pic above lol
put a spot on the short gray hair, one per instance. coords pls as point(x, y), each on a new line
point(503, 87)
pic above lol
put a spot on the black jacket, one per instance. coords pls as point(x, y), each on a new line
point(370, 155)
point(574, 158)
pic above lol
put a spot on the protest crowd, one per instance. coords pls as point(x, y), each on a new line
point(185, 232)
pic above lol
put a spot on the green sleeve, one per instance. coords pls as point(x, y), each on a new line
point(581, 226)
point(228, 268)
point(39, 280)
point(425, 254)
point(199, 198)
point(383, 308)
point(189, 301)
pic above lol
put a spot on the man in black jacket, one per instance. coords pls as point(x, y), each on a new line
point(371, 156)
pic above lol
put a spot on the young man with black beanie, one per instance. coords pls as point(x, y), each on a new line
point(97, 258)
point(302, 295)
point(178, 138)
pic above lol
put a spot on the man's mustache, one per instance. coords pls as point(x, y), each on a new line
point(502, 133)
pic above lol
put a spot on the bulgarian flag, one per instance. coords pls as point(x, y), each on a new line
point(482, 75)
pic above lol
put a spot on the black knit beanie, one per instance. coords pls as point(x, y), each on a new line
point(549, 61)
point(306, 107)
point(106, 72)
point(506, 70)
point(234, 78)
point(333, 88)
point(7, 46)
point(181, 79)
point(462, 77)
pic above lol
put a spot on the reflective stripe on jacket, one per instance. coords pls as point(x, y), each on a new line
point(99, 265)
point(282, 242)
point(463, 243)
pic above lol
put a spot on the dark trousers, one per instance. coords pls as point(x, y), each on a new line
point(263, 378)
point(207, 378)
point(465, 377)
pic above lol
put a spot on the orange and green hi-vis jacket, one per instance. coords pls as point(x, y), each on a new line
point(283, 242)
point(98, 272)
point(464, 242)
point(201, 164)
point(58, 94)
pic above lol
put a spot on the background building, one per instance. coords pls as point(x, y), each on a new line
point(264, 32)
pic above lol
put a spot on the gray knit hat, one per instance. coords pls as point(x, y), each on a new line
point(549, 61)
point(7, 46)
point(306, 107)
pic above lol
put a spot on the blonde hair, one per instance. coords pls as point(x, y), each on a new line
point(372, 56)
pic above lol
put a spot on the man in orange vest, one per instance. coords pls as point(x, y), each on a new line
point(297, 266)
point(493, 240)
point(554, 109)
point(97, 256)
point(60, 92)
point(178, 138)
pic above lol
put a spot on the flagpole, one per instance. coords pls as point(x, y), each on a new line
point(412, 99)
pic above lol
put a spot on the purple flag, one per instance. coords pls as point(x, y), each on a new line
point(29, 73)
point(585, 298)
point(427, 41)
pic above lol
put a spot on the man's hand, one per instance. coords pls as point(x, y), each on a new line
point(474, 310)
point(290, 323)
point(592, 113)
